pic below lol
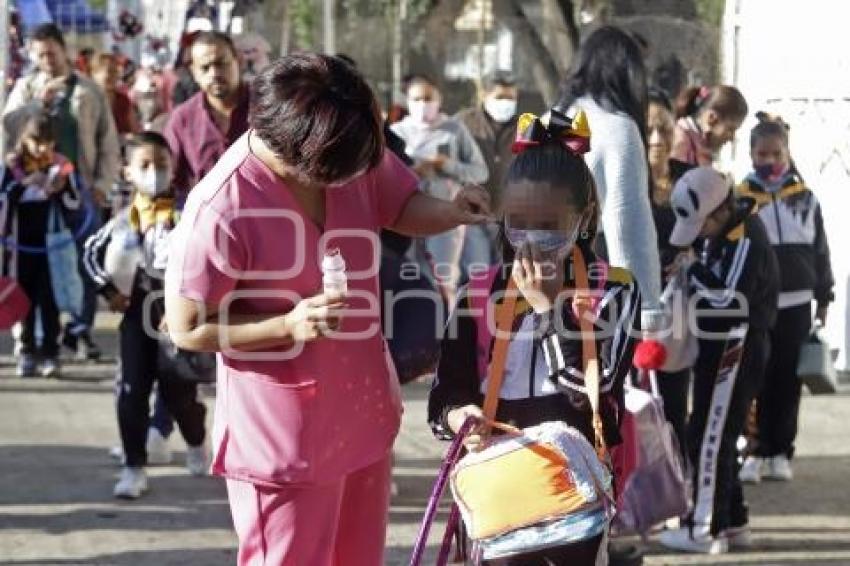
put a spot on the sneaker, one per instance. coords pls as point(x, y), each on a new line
point(779, 469)
point(198, 460)
point(738, 538)
point(87, 350)
point(132, 483)
point(681, 539)
point(159, 454)
point(752, 469)
point(117, 454)
point(26, 366)
point(50, 367)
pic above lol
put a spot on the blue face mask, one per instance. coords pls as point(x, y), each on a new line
point(547, 241)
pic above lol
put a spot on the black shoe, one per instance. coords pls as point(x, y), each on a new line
point(622, 554)
point(86, 348)
point(69, 340)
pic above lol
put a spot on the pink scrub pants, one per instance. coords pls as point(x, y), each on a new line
point(337, 524)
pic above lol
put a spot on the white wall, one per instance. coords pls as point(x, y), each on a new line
point(793, 58)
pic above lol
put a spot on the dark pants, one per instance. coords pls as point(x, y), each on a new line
point(779, 402)
point(161, 419)
point(34, 278)
point(674, 388)
point(138, 373)
point(721, 404)
point(578, 554)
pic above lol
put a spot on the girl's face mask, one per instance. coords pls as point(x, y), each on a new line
point(772, 173)
point(424, 111)
point(547, 241)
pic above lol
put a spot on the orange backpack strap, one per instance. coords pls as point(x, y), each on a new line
point(584, 308)
point(505, 312)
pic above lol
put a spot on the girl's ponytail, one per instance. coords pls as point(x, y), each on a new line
point(727, 101)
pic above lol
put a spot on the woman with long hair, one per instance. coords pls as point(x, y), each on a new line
point(608, 82)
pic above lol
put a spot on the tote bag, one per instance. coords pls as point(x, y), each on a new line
point(63, 265)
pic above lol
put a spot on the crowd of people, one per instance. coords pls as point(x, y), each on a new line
point(173, 192)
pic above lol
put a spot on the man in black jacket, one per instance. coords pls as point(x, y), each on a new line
point(735, 285)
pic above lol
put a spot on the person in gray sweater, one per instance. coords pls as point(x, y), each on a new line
point(608, 82)
point(446, 157)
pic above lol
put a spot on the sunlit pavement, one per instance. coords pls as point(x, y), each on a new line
point(56, 480)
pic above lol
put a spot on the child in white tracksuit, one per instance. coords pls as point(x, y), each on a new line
point(792, 215)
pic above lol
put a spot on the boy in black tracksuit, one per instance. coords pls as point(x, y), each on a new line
point(126, 258)
point(735, 286)
point(792, 216)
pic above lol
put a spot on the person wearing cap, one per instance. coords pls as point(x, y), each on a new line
point(734, 283)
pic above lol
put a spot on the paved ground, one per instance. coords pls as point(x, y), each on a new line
point(56, 480)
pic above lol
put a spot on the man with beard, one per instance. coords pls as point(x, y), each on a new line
point(202, 128)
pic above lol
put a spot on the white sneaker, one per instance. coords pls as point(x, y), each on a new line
point(738, 538)
point(198, 460)
point(681, 539)
point(751, 471)
point(132, 483)
point(117, 454)
point(779, 469)
point(159, 454)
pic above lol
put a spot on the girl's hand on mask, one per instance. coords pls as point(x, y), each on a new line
point(538, 276)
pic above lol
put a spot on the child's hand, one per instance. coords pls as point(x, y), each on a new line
point(820, 314)
point(538, 276)
point(455, 419)
point(118, 303)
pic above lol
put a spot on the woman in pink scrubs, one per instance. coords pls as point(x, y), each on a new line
point(307, 403)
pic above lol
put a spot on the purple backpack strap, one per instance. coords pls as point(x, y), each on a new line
point(452, 456)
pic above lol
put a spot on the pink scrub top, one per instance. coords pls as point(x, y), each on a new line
point(288, 416)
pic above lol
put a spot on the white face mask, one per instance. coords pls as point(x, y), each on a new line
point(152, 182)
point(500, 109)
point(423, 112)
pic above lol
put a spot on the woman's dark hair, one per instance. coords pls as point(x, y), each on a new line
point(38, 126)
point(769, 126)
point(418, 79)
point(727, 101)
point(317, 113)
point(610, 69)
point(48, 32)
point(658, 97)
point(564, 171)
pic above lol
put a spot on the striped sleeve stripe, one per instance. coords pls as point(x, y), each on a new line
point(91, 250)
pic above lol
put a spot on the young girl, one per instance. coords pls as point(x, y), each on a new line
point(708, 117)
point(550, 206)
point(792, 215)
point(37, 183)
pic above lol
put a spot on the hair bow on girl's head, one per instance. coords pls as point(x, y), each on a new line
point(553, 127)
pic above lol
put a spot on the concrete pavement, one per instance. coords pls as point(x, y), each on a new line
point(56, 481)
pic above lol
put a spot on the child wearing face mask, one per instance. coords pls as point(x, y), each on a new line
point(550, 209)
point(446, 157)
point(127, 258)
point(37, 182)
point(794, 221)
point(708, 117)
point(493, 125)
